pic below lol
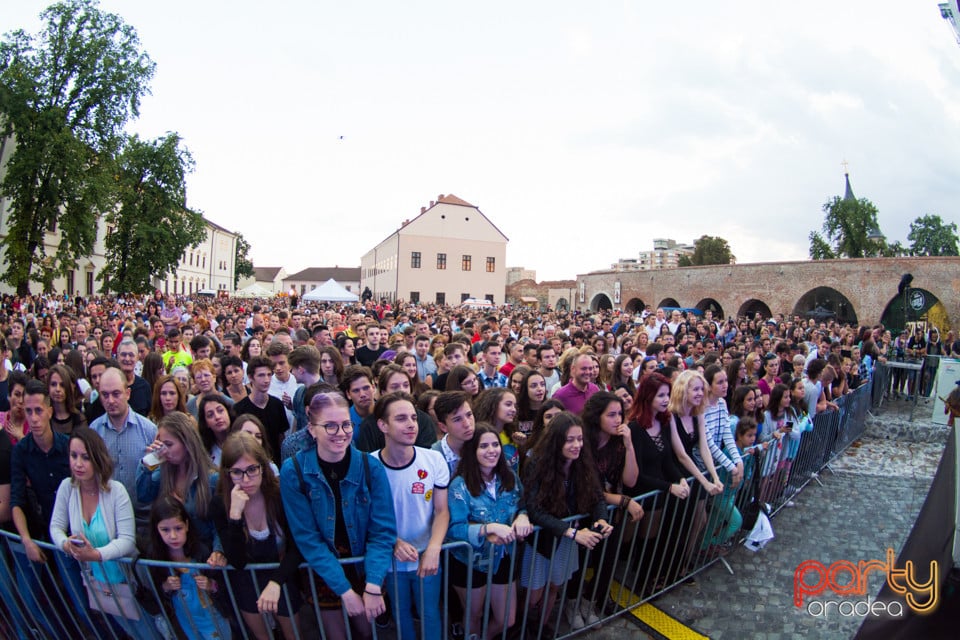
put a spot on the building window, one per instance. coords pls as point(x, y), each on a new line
point(70, 276)
point(414, 297)
point(89, 283)
point(204, 261)
point(441, 297)
point(303, 289)
point(441, 261)
point(489, 297)
point(464, 297)
point(491, 264)
point(465, 263)
point(414, 259)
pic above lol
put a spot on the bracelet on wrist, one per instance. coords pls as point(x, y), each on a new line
point(624, 502)
point(371, 593)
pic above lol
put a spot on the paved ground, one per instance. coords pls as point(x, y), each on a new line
point(868, 503)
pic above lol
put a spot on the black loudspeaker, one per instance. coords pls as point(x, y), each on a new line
point(905, 281)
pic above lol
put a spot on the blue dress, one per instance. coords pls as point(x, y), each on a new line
point(195, 612)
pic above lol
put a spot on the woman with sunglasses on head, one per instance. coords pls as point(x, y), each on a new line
point(771, 369)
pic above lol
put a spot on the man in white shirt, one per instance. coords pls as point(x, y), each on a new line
point(283, 386)
point(418, 480)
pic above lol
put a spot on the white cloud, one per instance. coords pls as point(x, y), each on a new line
point(614, 123)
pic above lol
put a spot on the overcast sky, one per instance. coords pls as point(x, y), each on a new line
point(583, 130)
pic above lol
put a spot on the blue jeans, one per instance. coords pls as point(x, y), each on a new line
point(404, 586)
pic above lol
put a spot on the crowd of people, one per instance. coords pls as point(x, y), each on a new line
point(232, 433)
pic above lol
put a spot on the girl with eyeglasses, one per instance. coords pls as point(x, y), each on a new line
point(338, 504)
point(253, 527)
point(251, 424)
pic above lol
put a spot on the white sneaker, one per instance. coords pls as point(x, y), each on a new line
point(588, 613)
point(573, 616)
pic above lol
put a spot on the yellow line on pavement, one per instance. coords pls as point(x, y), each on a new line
point(653, 618)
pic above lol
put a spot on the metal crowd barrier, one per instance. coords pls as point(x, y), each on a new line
point(910, 378)
point(675, 540)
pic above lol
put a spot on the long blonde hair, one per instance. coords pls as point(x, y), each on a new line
point(680, 392)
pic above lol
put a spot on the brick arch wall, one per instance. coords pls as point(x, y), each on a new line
point(868, 283)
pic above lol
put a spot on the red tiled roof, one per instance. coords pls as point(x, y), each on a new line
point(452, 199)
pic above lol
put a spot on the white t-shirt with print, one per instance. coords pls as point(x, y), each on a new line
point(412, 488)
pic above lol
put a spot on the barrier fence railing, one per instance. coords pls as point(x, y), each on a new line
point(673, 541)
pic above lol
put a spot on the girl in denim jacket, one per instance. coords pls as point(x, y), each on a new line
point(338, 505)
point(485, 511)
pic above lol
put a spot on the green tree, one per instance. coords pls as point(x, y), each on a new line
point(930, 236)
point(895, 249)
point(150, 225)
point(65, 95)
point(846, 230)
point(243, 266)
point(819, 248)
point(708, 250)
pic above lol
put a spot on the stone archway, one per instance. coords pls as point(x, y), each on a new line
point(752, 307)
point(601, 302)
point(709, 304)
point(668, 302)
point(825, 303)
point(921, 305)
point(562, 304)
point(634, 305)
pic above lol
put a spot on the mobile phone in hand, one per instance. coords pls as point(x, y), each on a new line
point(77, 542)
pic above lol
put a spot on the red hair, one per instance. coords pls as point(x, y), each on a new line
point(642, 411)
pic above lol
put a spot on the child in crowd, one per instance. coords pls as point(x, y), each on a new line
point(190, 592)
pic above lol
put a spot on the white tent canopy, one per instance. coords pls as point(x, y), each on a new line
point(330, 291)
point(253, 291)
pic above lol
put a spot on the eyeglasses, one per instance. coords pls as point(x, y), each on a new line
point(251, 472)
point(332, 427)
